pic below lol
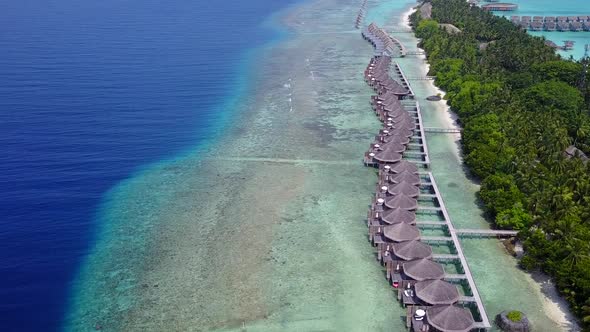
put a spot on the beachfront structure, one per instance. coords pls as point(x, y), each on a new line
point(500, 6)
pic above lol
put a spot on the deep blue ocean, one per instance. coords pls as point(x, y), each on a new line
point(90, 92)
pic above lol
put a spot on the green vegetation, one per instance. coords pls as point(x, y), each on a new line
point(521, 106)
point(514, 316)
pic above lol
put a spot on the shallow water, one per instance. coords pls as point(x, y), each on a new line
point(264, 230)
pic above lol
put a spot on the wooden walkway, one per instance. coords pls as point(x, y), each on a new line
point(443, 130)
point(467, 271)
point(487, 232)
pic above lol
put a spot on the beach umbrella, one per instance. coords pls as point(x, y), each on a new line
point(436, 292)
point(450, 318)
point(403, 188)
point(423, 269)
point(401, 232)
point(410, 250)
point(395, 216)
point(402, 202)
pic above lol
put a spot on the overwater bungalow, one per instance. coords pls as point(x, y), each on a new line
point(563, 26)
point(572, 19)
point(537, 18)
point(402, 202)
point(576, 26)
point(412, 250)
point(525, 19)
point(586, 26)
point(583, 18)
point(405, 176)
point(386, 156)
point(436, 292)
point(401, 232)
point(398, 215)
point(445, 318)
point(515, 19)
point(536, 26)
point(561, 18)
point(403, 188)
point(550, 26)
point(549, 19)
point(524, 24)
point(393, 146)
point(423, 269)
point(402, 166)
point(387, 137)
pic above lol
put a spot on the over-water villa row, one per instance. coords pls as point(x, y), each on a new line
point(552, 23)
point(407, 220)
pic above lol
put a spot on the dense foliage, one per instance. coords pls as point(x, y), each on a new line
point(515, 316)
point(521, 106)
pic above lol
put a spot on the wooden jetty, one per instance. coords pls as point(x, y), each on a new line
point(486, 232)
point(467, 271)
point(443, 130)
point(403, 191)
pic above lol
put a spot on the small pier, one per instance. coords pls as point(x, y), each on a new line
point(421, 78)
point(487, 233)
point(443, 130)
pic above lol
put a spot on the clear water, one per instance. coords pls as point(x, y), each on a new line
point(92, 91)
point(263, 228)
point(556, 8)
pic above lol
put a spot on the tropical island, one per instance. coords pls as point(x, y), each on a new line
point(526, 131)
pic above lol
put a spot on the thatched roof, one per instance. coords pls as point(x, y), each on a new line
point(402, 132)
point(402, 166)
point(402, 201)
point(388, 156)
point(394, 146)
point(394, 87)
point(436, 292)
point(450, 318)
point(401, 232)
point(423, 269)
point(406, 176)
point(404, 188)
point(395, 216)
point(411, 250)
point(409, 124)
point(396, 138)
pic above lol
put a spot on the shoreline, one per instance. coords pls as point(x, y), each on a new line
point(556, 308)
